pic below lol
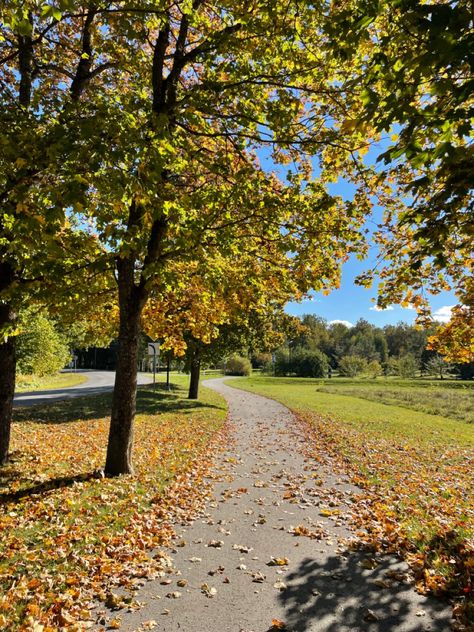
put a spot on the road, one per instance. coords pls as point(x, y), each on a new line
point(97, 382)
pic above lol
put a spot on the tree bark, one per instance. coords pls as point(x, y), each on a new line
point(195, 370)
point(119, 449)
point(7, 365)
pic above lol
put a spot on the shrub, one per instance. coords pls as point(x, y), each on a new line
point(407, 365)
point(350, 365)
point(237, 365)
point(374, 369)
point(309, 363)
point(41, 350)
point(282, 364)
point(260, 359)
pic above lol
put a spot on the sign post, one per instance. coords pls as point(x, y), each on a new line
point(154, 350)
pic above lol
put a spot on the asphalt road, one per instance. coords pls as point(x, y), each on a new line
point(97, 382)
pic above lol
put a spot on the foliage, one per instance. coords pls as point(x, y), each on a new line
point(455, 340)
point(412, 80)
point(407, 365)
point(237, 365)
point(350, 366)
point(41, 349)
point(51, 569)
point(412, 501)
point(374, 369)
point(306, 363)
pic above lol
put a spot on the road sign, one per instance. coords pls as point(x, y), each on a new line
point(153, 348)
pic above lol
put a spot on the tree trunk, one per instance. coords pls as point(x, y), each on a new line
point(195, 372)
point(119, 448)
point(7, 365)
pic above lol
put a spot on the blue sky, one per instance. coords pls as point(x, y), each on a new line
point(351, 302)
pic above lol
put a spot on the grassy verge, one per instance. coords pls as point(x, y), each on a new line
point(416, 471)
point(67, 534)
point(25, 383)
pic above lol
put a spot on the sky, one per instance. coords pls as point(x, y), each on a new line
point(351, 302)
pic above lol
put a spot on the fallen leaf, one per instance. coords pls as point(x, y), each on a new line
point(278, 561)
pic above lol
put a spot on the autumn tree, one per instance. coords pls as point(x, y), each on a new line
point(412, 78)
point(149, 118)
point(204, 84)
point(45, 68)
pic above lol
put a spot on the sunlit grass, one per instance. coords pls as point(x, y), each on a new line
point(25, 383)
point(416, 471)
point(66, 531)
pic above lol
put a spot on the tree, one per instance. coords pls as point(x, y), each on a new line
point(351, 366)
point(41, 349)
point(153, 117)
point(438, 366)
point(412, 79)
point(39, 249)
point(455, 340)
point(374, 369)
point(407, 365)
point(204, 87)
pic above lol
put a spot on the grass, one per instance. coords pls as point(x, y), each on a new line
point(447, 399)
point(68, 534)
point(416, 470)
point(25, 383)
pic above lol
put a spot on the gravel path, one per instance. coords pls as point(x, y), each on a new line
point(242, 564)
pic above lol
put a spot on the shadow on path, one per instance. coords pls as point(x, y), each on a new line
point(344, 593)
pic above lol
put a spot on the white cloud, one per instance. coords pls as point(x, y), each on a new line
point(443, 314)
point(376, 308)
point(341, 322)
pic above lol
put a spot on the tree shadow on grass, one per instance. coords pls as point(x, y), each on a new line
point(344, 594)
point(149, 401)
point(41, 487)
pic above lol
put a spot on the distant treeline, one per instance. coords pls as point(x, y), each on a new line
point(323, 349)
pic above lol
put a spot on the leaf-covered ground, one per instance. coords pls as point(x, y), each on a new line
point(416, 471)
point(68, 534)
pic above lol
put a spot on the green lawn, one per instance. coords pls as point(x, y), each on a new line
point(451, 399)
point(25, 383)
point(415, 469)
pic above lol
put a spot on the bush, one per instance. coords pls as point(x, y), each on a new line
point(309, 363)
point(374, 369)
point(282, 364)
point(236, 365)
point(407, 365)
point(350, 365)
point(260, 359)
point(41, 350)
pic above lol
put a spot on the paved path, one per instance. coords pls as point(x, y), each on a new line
point(97, 382)
point(268, 491)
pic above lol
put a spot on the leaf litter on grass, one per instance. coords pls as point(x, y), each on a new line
point(68, 541)
point(416, 502)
